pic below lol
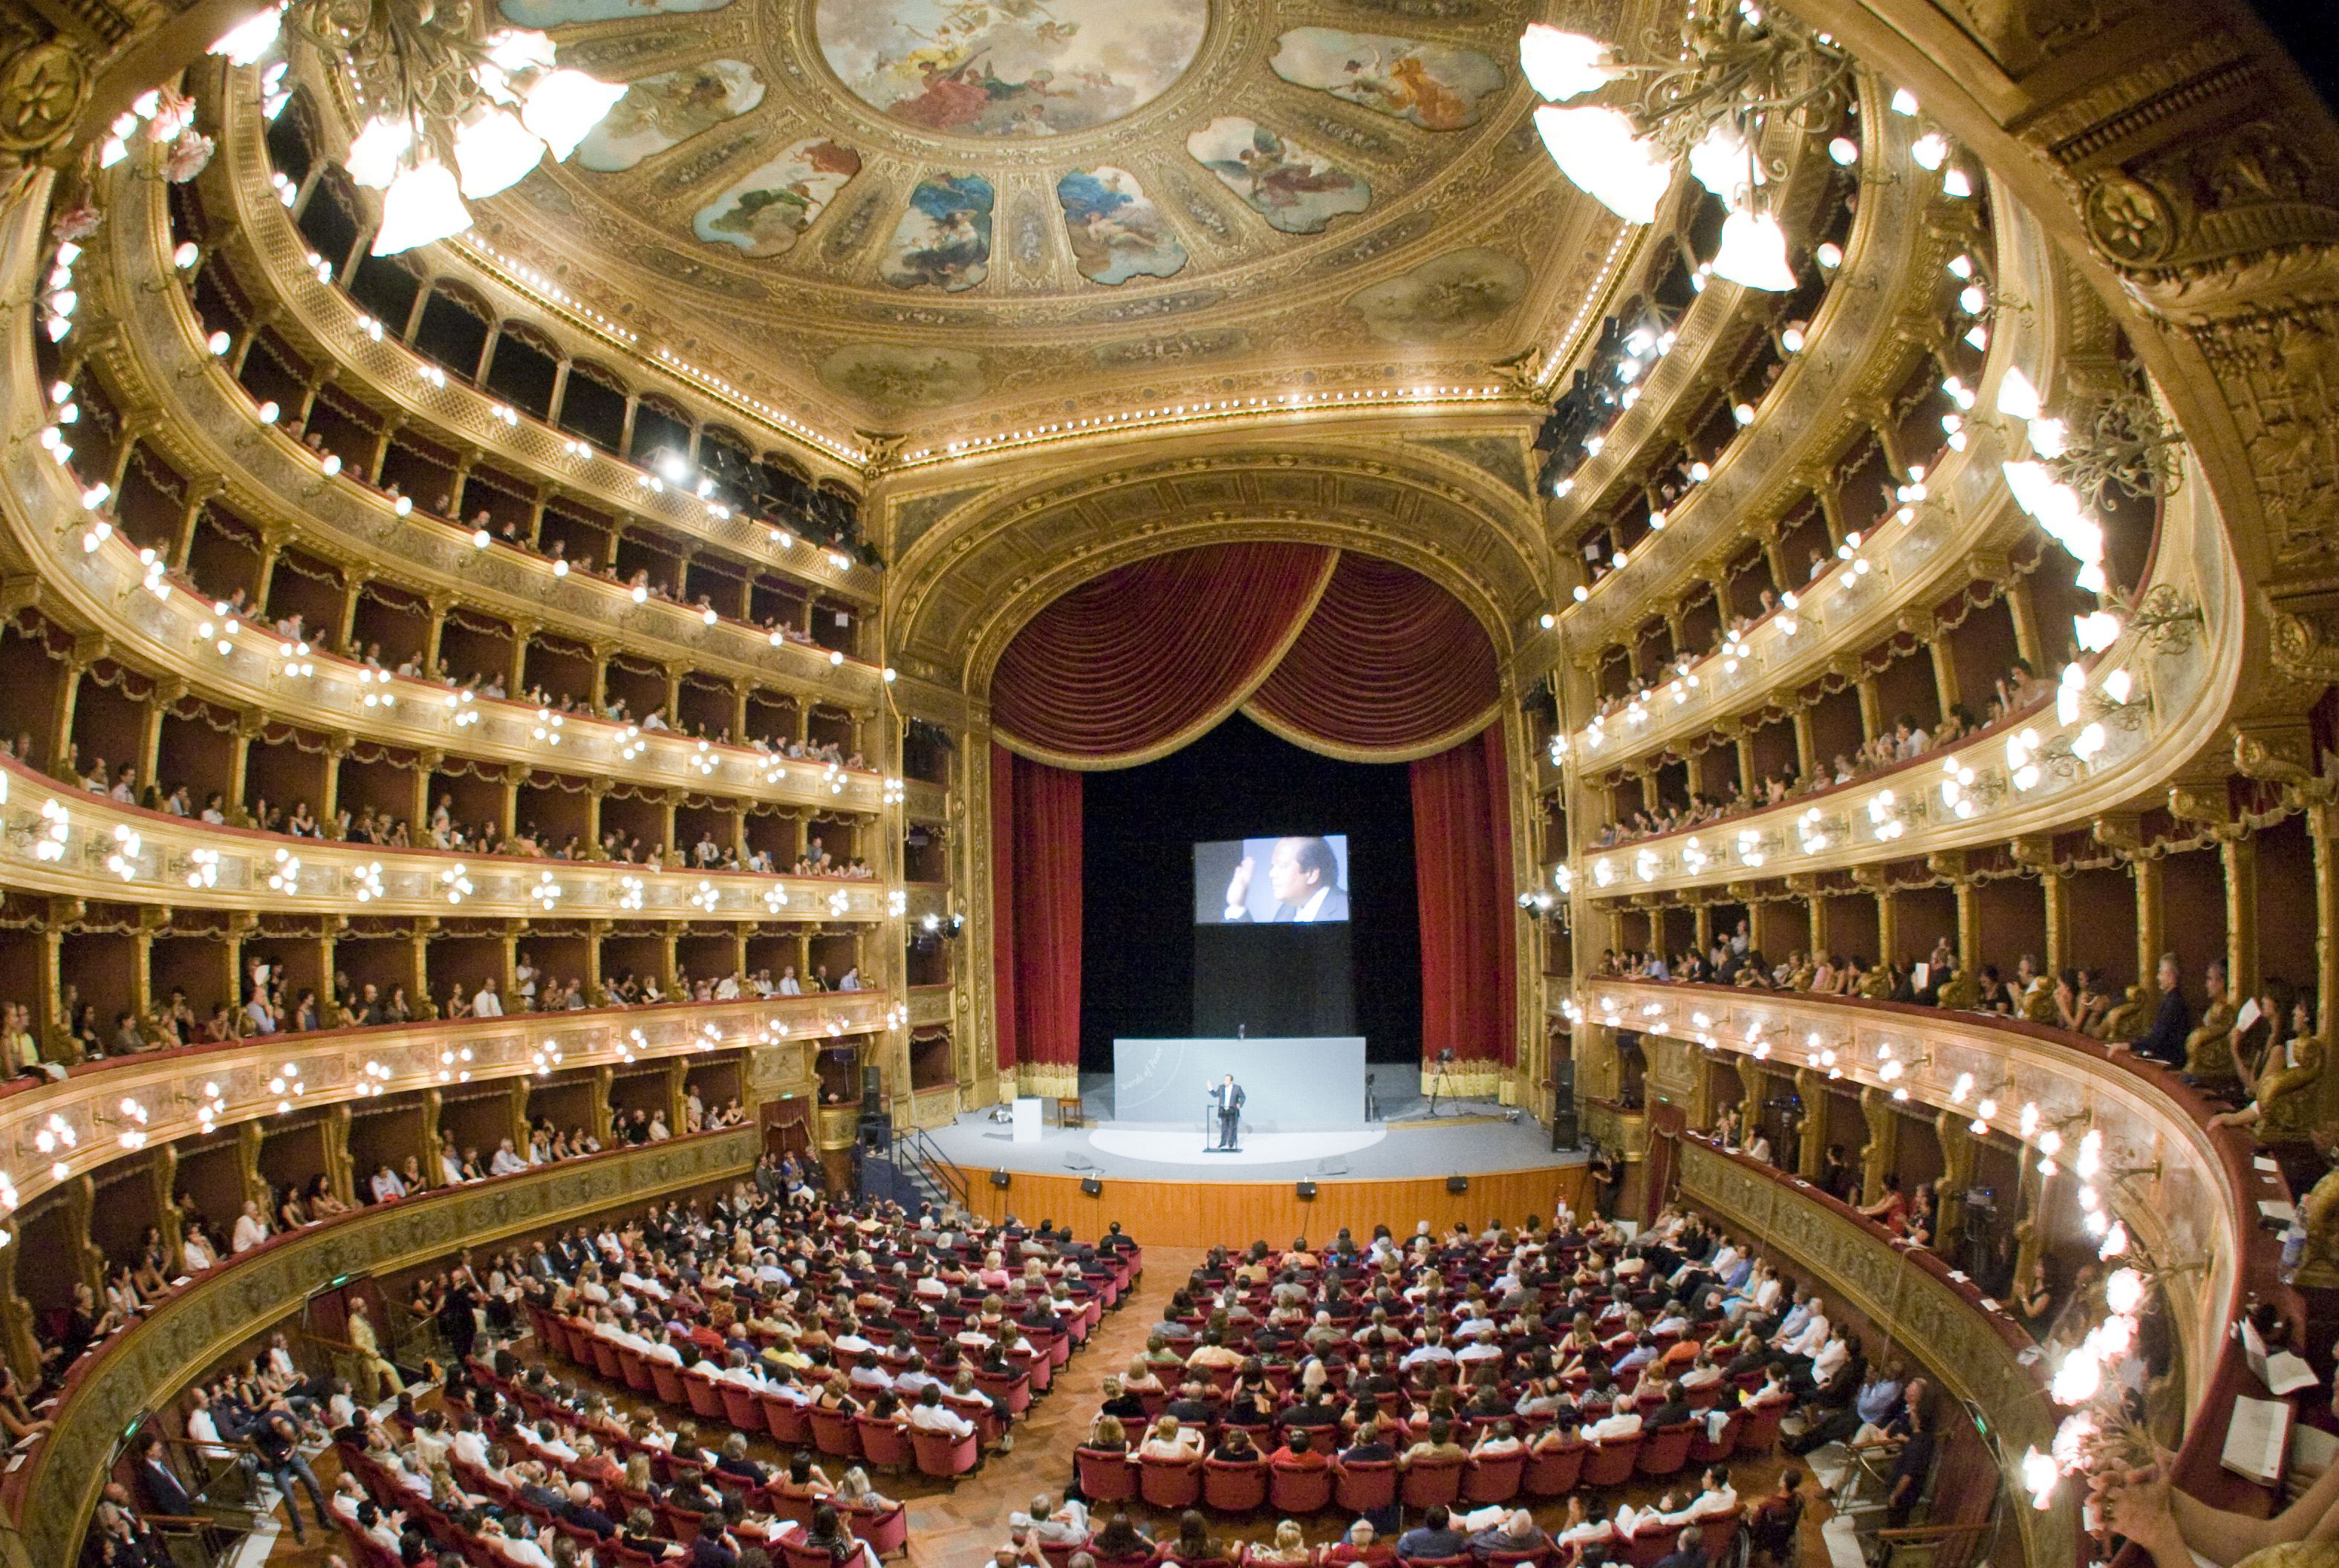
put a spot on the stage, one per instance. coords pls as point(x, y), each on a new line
point(1164, 1187)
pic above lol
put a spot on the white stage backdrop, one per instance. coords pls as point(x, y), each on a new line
point(1288, 1085)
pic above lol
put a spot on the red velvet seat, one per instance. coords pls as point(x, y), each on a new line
point(1554, 1471)
point(942, 1457)
point(1234, 1485)
point(1300, 1488)
point(1169, 1483)
point(883, 1443)
point(705, 1399)
point(1105, 1477)
point(833, 1433)
point(1365, 1486)
point(1650, 1547)
point(1665, 1450)
point(790, 1426)
point(1760, 1432)
point(1610, 1463)
point(1430, 1484)
point(887, 1530)
point(1494, 1478)
point(740, 1405)
point(1705, 1449)
point(667, 1379)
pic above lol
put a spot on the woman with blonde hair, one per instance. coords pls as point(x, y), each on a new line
point(1170, 1441)
point(1290, 1549)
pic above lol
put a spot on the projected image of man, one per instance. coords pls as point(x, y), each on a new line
point(1305, 879)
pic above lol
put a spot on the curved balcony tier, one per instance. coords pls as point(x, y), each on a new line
point(52, 1132)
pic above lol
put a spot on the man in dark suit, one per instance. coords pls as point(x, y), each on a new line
point(1305, 877)
point(1689, 1550)
point(1227, 1099)
point(583, 1510)
point(160, 1490)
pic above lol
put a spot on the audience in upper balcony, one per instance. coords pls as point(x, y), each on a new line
point(1905, 740)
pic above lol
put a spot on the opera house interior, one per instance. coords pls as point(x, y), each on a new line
point(681, 673)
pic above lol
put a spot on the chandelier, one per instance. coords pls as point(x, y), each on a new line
point(454, 110)
point(1735, 70)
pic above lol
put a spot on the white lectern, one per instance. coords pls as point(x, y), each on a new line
point(1027, 1118)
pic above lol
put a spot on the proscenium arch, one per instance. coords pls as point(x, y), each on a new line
point(972, 584)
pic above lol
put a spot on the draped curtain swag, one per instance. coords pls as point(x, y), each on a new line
point(1345, 654)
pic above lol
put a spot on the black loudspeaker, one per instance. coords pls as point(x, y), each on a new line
point(1457, 1184)
point(1091, 1185)
point(1564, 1132)
point(1302, 1189)
point(998, 1178)
point(872, 1091)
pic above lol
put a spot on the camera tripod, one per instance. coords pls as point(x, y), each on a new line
point(1441, 1083)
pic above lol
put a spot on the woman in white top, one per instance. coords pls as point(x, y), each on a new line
point(1170, 1441)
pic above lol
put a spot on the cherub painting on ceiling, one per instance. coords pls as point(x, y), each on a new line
point(944, 237)
point(1117, 231)
point(1435, 86)
point(1294, 189)
point(764, 211)
point(1008, 68)
point(666, 110)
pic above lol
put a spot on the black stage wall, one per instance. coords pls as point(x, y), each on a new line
point(1140, 826)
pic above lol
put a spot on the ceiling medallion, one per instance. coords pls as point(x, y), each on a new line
point(1015, 68)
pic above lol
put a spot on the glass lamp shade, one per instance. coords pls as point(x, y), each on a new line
point(1597, 149)
point(245, 44)
point(563, 105)
point(422, 205)
point(2016, 395)
point(1563, 65)
point(375, 154)
point(494, 152)
point(1722, 165)
point(1755, 253)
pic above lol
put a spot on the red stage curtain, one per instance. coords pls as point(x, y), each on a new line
point(1389, 663)
point(1142, 660)
point(1036, 905)
point(1462, 873)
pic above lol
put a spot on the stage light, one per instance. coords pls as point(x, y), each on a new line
point(1303, 1189)
point(1091, 1185)
point(999, 1178)
point(1457, 1184)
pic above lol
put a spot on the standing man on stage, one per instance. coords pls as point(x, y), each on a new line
point(1228, 1100)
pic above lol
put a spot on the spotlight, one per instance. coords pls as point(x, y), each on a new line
point(1457, 1184)
point(1303, 1189)
point(1091, 1185)
point(999, 1178)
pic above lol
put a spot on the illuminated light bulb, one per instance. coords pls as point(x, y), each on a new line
point(1844, 151)
point(1930, 151)
point(1829, 255)
point(2124, 1291)
point(1904, 101)
point(1596, 148)
point(1560, 66)
point(1956, 183)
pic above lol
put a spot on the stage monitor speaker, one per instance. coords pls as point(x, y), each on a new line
point(1091, 1185)
point(999, 1178)
point(1457, 1184)
point(1564, 1132)
point(872, 1090)
point(1304, 1189)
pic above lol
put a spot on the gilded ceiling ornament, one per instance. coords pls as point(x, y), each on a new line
point(2128, 221)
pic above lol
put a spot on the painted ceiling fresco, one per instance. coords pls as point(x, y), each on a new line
point(925, 209)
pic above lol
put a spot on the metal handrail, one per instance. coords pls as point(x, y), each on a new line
point(927, 1155)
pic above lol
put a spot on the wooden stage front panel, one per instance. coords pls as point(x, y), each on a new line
point(1208, 1213)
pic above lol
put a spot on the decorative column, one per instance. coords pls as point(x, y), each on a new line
point(2150, 924)
point(418, 817)
point(437, 604)
point(1880, 1157)
point(596, 930)
point(2238, 854)
point(2024, 609)
point(602, 1079)
point(2322, 828)
point(1811, 1144)
point(1945, 673)
point(2056, 890)
point(430, 1102)
point(1806, 747)
point(333, 1127)
point(516, 1119)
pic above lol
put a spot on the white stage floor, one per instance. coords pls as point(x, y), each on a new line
point(1258, 1148)
point(1383, 1150)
